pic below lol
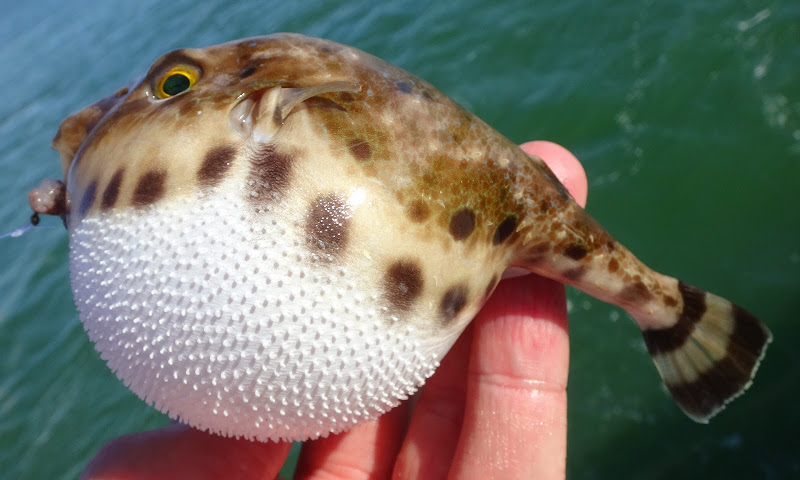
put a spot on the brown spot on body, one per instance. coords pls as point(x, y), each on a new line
point(666, 340)
point(575, 252)
point(330, 49)
point(270, 171)
point(613, 265)
point(462, 224)
point(88, 198)
point(250, 69)
point(453, 302)
point(404, 87)
point(403, 283)
point(636, 293)
point(670, 301)
point(111, 193)
point(539, 249)
point(150, 188)
point(505, 230)
point(418, 211)
point(328, 223)
point(575, 274)
point(535, 254)
point(360, 149)
point(216, 163)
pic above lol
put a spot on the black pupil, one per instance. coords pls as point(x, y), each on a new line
point(176, 83)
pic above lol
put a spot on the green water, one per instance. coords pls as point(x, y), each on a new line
point(686, 116)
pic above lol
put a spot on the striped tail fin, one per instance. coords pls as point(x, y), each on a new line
point(710, 355)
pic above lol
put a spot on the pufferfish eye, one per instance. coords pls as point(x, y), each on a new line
point(176, 80)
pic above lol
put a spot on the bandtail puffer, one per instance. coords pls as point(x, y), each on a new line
point(281, 237)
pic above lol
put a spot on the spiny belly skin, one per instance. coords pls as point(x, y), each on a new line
point(208, 317)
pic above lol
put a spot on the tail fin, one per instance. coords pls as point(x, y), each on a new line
point(710, 355)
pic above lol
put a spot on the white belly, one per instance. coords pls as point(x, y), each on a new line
point(229, 323)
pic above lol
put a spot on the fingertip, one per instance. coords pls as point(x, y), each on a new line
point(564, 164)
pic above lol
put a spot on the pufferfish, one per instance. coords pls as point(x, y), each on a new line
point(280, 237)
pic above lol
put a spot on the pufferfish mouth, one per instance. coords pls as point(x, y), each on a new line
point(260, 113)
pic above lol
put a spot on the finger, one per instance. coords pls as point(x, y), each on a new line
point(515, 413)
point(366, 451)
point(436, 424)
point(515, 416)
point(179, 452)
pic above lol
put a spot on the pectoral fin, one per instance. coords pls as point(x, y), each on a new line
point(263, 112)
point(289, 98)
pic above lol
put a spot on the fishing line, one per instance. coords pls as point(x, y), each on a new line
point(24, 229)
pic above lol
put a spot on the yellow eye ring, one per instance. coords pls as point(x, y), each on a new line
point(176, 81)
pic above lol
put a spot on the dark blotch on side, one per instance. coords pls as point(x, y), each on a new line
point(403, 283)
point(539, 249)
point(247, 71)
point(505, 229)
point(613, 265)
point(330, 49)
point(327, 223)
point(575, 252)
point(669, 339)
point(271, 171)
point(635, 293)
point(360, 149)
point(670, 301)
point(216, 163)
point(404, 86)
point(150, 189)
point(111, 193)
point(453, 302)
point(88, 198)
point(418, 211)
point(575, 274)
point(462, 224)
point(535, 254)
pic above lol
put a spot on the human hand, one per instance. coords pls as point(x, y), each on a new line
point(496, 407)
